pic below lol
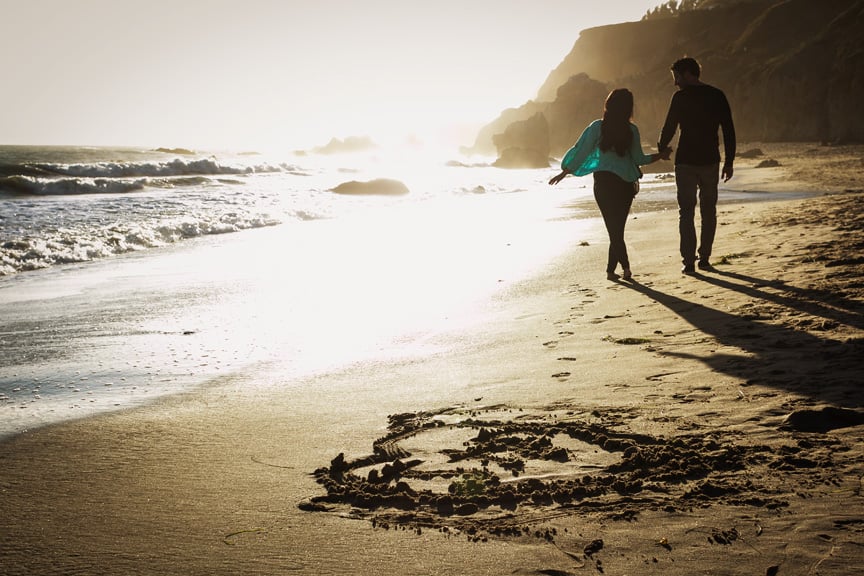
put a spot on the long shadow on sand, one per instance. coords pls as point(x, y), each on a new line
point(776, 354)
point(830, 306)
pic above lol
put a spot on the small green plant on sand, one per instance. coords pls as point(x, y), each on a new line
point(471, 484)
point(628, 340)
point(726, 258)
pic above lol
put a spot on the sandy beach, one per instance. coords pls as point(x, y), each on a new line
point(677, 425)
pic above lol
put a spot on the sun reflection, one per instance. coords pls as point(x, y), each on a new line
point(352, 288)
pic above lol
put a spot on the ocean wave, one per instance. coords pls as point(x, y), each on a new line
point(28, 185)
point(177, 167)
point(121, 177)
point(70, 245)
point(47, 179)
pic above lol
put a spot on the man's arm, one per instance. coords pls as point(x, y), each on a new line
point(729, 145)
point(670, 125)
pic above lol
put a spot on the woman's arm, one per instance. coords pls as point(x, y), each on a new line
point(579, 153)
point(639, 156)
point(558, 177)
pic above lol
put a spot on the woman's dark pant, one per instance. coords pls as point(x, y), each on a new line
point(614, 197)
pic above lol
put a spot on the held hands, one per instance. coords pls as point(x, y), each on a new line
point(557, 178)
point(665, 154)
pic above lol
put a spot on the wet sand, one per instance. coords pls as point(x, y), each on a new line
point(707, 424)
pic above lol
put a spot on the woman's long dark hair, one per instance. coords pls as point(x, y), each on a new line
point(615, 130)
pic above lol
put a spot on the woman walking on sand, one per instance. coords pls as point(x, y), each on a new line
point(611, 149)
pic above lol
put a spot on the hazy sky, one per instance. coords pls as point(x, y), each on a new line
point(289, 73)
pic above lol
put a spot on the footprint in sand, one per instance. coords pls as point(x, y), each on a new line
point(554, 343)
point(588, 295)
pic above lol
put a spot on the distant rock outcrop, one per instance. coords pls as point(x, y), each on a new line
point(349, 144)
point(524, 144)
point(183, 151)
point(378, 187)
point(793, 70)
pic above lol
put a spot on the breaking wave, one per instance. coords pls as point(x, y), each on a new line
point(82, 244)
point(119, 177)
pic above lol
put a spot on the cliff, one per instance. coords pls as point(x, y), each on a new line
point(793, 70)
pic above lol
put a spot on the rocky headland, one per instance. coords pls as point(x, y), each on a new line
point(793, 71)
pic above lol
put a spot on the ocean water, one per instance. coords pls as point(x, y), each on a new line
point(129, 274)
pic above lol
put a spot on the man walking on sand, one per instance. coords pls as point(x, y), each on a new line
point(698, 110)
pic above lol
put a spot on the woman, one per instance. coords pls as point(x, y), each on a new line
point(611, 149)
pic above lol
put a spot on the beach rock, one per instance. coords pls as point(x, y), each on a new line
point(311, 506)
point(338, 466)
point(467, 509)
point(557, 455)
point(377, 187)
point(593, 547)
point(769, 163)
point(444, 506)
point(822, 420)
point(751, 153)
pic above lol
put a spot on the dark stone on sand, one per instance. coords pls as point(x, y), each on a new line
point(796, 463)
point(467, 509)
point(508, 500)
point(593, 547)
point(401, 501)
point(405, 488)
point(445, 506)
point(751, 153)
point(377, 187)
point(541, 498)
point(823, 420)
point(557, 455)
point(845, 262)
point(613, 445)
point(770, 163)
point(709, 490)
point(308, 506)
point(338, 466)
point(561, 496)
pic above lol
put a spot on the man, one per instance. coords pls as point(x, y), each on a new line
point(698, 110)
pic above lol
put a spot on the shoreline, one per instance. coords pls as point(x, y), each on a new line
point(737, 365)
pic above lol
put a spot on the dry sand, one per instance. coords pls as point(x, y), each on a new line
point(672, 425)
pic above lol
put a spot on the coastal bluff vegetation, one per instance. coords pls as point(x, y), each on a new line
point(793, 71)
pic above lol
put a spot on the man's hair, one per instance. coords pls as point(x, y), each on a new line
point(687, 65)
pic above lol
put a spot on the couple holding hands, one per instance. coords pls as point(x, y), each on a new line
point(611, 150)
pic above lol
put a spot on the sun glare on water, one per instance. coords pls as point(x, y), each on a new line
point(354, 288)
